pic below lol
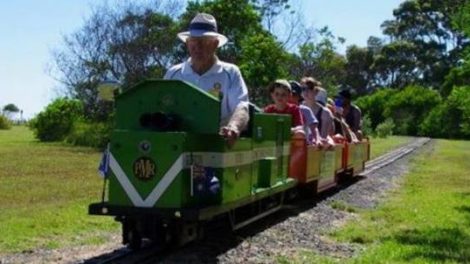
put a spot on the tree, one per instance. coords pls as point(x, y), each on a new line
point(409, 107)
point(9, 110)
point(284, 21)
point(451, 118)
point(396, 64)
point(423, 46)
point(460, 74)
point(125, 45)
point(320, 60)
point(55, 122)
point(374, 105)
point(133, 43)
point(262, 61)
point(269, 10)
point(359, 73)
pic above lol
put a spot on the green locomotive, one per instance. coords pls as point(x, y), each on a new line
point(170, 170)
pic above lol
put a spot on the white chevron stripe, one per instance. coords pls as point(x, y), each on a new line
point(161, 187)
point(124, 181)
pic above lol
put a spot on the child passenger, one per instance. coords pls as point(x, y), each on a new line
point(280, 92)
point(310, 121)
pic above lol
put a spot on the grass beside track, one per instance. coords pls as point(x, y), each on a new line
point(380, 146)
point(427, 220)
point(45, 189)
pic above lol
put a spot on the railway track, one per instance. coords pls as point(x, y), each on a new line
point(216, 244)
point(126, 255)
point(393, 155)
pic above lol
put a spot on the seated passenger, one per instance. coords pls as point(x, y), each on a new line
point(315, 98)
point(342, 130)
point(310, 121)
point(280, 92)
point(351, 113)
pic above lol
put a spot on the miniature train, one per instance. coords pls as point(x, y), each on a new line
point(169, 171)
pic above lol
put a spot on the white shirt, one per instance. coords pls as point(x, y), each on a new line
point(221, 77)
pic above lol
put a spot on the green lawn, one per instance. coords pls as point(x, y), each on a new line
point(45, 189)
point(425, 221)
point(380, 146)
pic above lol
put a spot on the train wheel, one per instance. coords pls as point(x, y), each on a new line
point(183, 233)
point(130, 235)
point(134, 239)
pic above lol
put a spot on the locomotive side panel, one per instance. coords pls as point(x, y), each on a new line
point(271, 147)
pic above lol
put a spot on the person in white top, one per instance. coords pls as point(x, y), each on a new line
point(208, 73)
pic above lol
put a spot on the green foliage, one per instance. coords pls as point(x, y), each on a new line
point(459, 100)
point(385, 129)
point(343, 206)
point(359, 74)
point(450, 119)
point(409, 107)
point(366, 126)
point(320, 60)
point(374, 105)
point(8, 112)
point(458, 76)
point(55, 122)
point(11, 108)
point(4, 122)
point(91, 134)
point(262, 61)
point(126, 44)
point(424, 43)
point(434, 126)
point(396, 63)
point(420, 111)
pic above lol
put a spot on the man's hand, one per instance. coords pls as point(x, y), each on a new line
point(229, 134)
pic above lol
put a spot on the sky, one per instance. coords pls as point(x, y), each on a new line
point(30, 30)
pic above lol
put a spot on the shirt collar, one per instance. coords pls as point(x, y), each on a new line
point(216, 68)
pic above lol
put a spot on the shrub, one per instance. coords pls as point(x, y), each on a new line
point(450, 119)
point(385, 129)
point(55, 122)
point(374, 105)
point(4, 122)
point(459, 110)
point(409, 107)
point(366, 126)
point(90, 134)
point(434, 125)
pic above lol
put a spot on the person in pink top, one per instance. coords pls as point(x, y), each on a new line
point(280, 92)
